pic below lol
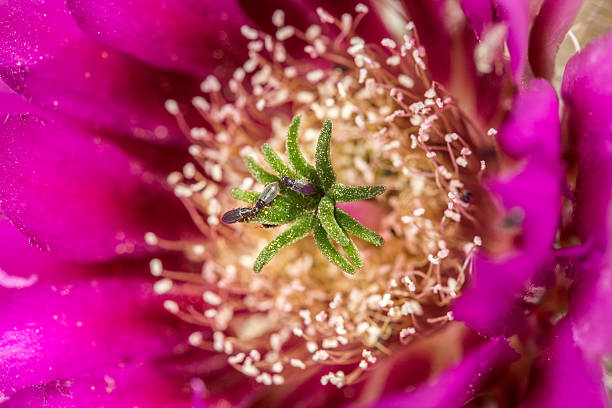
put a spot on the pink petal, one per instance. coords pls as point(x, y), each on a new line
point(457, 385)
point(587, 92)
point(128, 386)
point(565, 377)
point(187, 36)
point(79, 196)
point(548, 31)
point(81, 331)
point(46, 58)
point(479, 13)
point(531, 134)
point(516, 15)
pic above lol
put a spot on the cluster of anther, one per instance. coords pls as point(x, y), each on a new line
point(309, 201)
point(394, 127)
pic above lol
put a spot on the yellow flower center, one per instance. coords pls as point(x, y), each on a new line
point(392, 126)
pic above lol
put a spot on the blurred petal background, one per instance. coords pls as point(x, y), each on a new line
point(83, 168)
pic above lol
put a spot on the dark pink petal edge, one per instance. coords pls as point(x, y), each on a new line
point(46, 58)
point(564, 376)
point(79, 196)
point(531, 192)
point(587, 93)
point(89, 333)
point(548, 31)
point(196, 37)
point(457, 385)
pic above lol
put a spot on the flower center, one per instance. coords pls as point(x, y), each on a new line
point(392, 126)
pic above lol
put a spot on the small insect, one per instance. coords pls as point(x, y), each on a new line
point(466, 196)
point(237, 214)
point(268, 194)
point(301, 186)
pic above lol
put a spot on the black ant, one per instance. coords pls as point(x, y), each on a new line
point(268, 194)
point(301, 186)
point(466, 196)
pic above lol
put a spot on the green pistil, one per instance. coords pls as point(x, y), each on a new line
point(310, 212)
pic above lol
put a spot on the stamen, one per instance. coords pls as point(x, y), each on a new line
point(396, 127)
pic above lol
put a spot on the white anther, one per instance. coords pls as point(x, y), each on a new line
point(313, 32)
point(196, 338)
point(248, 32)
point(211, 298)
point(236, 359)
point(389, 43)
point(361, 8)
point(461, 161)
point(330, 343)
point(278, 18)
point(171, 106)
point(325, 16)
point(315, 76)
point(156, 267)
point(162, 286)
point(198, 249)
point(412, 307)
point(200, 103)
point(320, 355)
point(171, 306)
point(311, 346)
point(255, 355)
point(406, 81)
point(295, 362)
point(189, 170)
point(210, 84)
point(151, 239)
point(407, 332)
point(393, 61)
point(264, 378)
point(250, 370)
point(285, 33)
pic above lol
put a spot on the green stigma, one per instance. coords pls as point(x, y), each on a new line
point(307, 200)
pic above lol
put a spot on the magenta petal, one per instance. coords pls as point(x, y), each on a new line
point(23, 265)
point(548, 31)
point(516, 15)
point(565, 377)
point(479, 13)
point(84, 329)
point(457, 385)
point(128, 386)
point(532, 134)
point(587, 92)
point(591, 303)
point(187, 36)
point(47, 58)
point(77, 195)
